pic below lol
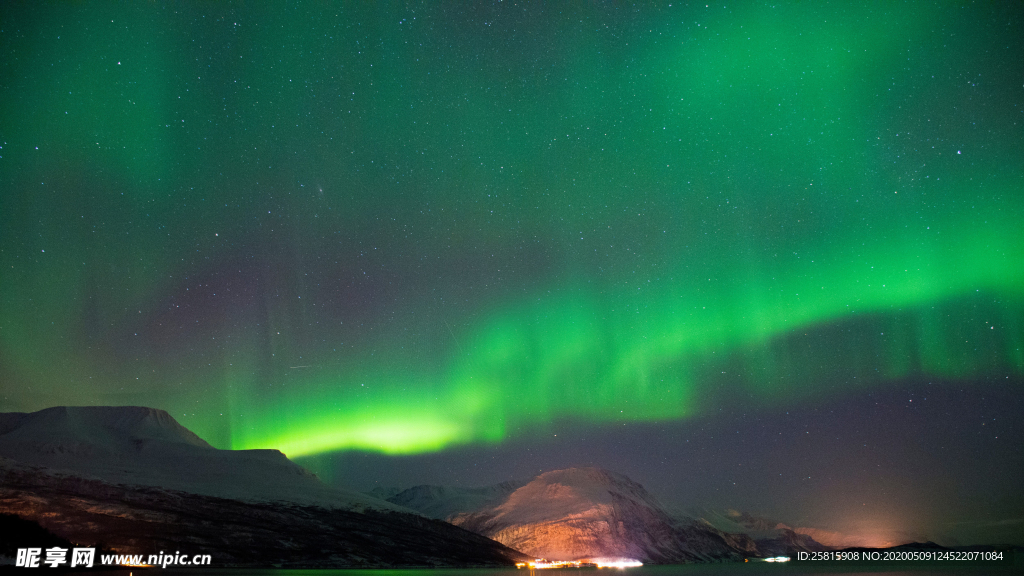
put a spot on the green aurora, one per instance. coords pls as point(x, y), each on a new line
point(400, 228)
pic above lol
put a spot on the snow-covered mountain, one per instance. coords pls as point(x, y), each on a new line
point(148, 447)
point(593, 513)
point(136, 480)
point(441, 502)
point(773, 538)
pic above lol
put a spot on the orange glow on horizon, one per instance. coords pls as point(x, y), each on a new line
point(544, 564)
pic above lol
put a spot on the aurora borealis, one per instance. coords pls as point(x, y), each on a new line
point(416, 228)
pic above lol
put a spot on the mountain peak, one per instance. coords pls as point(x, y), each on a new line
point(99, 426)
point(580, 513)
point(585, 476)
point(573, 491)
point(135, 445)
point(441, 502)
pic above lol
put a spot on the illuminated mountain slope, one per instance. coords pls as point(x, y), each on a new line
point(592, 513)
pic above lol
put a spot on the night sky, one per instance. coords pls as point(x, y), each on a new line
point(767, 257)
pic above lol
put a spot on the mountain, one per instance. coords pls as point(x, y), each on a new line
point(590, 513)
point(593, 513)
point(773, 538)
point(382, 493)
point(148, 447)
point(441, 502)
point(135, 480)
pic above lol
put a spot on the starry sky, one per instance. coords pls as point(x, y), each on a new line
point(766, 256)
